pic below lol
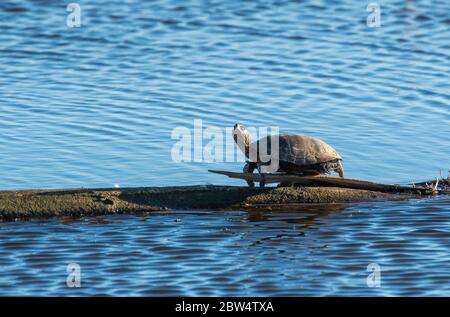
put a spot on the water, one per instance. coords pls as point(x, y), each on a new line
point(95, 106)
point(319, 251)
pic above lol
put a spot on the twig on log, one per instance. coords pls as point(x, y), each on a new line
point(328, 181)
point(440, 186)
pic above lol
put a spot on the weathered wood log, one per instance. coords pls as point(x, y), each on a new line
point(322, 180)
point(78, 202)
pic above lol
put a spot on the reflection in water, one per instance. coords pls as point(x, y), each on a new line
point(303, 215)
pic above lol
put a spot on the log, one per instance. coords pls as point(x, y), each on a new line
point(314, 190)
point(82, 202)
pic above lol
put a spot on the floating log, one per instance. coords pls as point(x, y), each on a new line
point(313, 190)
point(327, 181)
point(79, 202)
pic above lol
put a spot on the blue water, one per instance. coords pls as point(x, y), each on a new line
point(95, 106)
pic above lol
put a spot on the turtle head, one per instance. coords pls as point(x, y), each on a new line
point(242, 138)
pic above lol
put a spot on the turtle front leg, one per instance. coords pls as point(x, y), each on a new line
point(262, 182)
point(249, 167)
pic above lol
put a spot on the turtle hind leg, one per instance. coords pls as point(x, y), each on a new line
point(339, 169)
point(249, 167)
point(331, 166)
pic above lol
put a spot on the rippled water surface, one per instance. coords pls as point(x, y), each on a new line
point(96, 106)
point(322, 250)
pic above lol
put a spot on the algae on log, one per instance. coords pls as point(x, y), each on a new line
point(77, 202)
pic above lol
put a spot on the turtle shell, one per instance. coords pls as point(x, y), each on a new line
point(299, 149)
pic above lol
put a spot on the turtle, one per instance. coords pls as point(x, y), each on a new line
point(298, 154)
